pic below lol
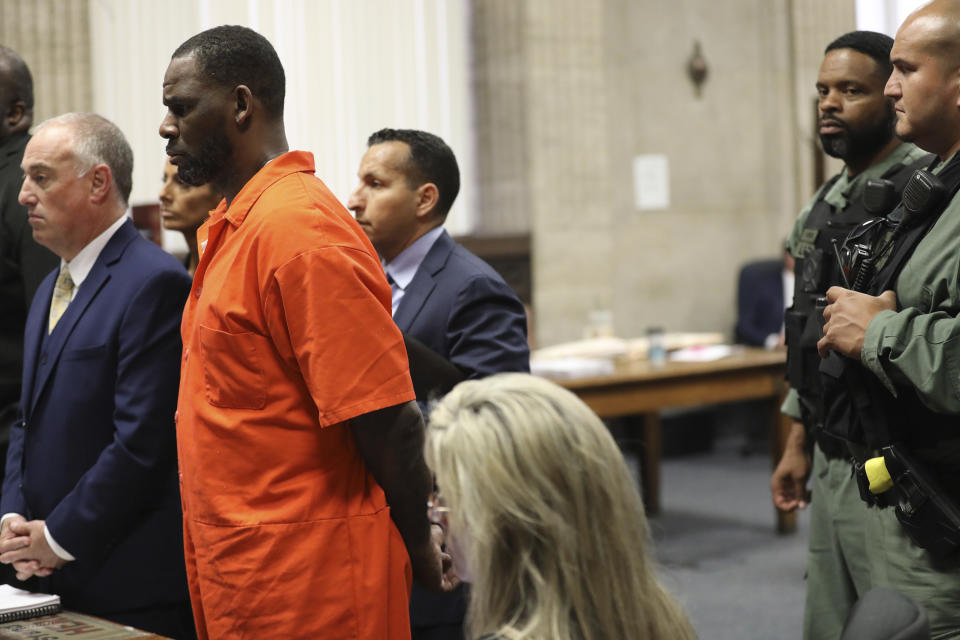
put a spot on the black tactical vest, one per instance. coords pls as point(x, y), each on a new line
point(858, 407)
point(817, 268)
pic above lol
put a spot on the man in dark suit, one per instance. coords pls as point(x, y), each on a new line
point(760, 301)
point(446, 301)
point(444, 296)
point(23, 263)
point(90, 501)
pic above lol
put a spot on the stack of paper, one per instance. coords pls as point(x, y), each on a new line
point(571, 367)
point(17, 604)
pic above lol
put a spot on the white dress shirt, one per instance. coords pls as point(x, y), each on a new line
point(401, 270)
point(786, 279)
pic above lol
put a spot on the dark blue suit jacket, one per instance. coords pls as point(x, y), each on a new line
point(759, 301)
point(95, 453)
point(461, 309)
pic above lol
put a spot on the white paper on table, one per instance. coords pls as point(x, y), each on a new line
point(13, 600)
point(702, 354)
point(571, 367)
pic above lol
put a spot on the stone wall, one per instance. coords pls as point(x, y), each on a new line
point(567, 92)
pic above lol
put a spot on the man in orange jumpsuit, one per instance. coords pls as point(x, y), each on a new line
point(296, 422)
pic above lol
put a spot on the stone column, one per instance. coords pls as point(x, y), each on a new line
point(53, 36)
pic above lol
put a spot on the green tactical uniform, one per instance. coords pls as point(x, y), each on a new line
point(842, 192)
point(919, 346)
point(841, 560)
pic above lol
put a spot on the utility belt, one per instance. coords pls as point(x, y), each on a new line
point(925, 509)
point(833, 448)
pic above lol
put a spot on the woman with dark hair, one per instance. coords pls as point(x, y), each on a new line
point(184, 208)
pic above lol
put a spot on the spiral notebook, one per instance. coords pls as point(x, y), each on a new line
point(17, 604)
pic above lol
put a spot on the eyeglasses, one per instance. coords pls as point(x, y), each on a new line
point(437, 509)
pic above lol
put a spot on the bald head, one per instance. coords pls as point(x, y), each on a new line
point(936, 28)
point(925, 83)
point(16, 93)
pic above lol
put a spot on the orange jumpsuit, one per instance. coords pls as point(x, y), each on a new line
point(287, 335)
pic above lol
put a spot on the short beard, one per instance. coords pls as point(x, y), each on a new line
point(209, 162)
point(860, 143)
point(835, 145)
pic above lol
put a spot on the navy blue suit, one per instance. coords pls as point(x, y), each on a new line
point(461, 309)
point(95, 452)
point(760, 304)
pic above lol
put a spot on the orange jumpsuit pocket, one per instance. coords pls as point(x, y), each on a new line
point(292, 580)
point(232, 372)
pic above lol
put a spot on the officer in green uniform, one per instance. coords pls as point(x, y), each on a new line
point(907, 338)
point(856, 124)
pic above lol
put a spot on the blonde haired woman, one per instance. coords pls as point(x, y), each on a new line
point(545, 520)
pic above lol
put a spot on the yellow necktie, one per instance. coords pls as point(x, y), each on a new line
point(62, 292)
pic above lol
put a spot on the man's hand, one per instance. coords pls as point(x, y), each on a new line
point(847, 314)
point(24, 545)
point(390, 441)
point(5, 532)
point(433, 567)
point(789, 482)
point(10, 541)
point(450, 578)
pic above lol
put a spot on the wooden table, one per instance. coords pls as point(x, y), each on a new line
point(640, 388)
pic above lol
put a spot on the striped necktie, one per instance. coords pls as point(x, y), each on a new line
point(62, 292)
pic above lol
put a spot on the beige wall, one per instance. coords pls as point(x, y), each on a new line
point(592, 83)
